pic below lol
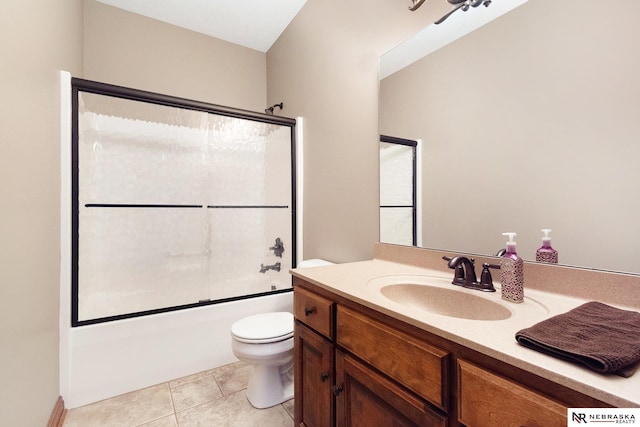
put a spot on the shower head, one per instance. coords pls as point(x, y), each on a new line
point(270, 109)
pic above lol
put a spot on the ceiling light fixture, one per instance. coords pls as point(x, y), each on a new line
point(457, 4)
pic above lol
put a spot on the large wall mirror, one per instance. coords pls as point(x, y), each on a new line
point(529, 122)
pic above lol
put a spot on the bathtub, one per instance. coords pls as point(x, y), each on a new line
point(108, 359)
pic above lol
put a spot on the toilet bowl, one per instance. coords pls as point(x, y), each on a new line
point(265, 341)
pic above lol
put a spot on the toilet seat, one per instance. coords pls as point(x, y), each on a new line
point(263, 328)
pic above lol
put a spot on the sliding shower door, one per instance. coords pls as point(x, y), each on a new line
point(398, 191)
point(177, 203)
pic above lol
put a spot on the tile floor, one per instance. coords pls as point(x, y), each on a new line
point(211, 398)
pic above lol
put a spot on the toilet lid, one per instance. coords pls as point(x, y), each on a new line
point(264, 328)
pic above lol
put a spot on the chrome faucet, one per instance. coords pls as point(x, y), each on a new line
point(465, 273)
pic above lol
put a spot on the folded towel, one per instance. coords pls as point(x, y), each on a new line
point(604, 338)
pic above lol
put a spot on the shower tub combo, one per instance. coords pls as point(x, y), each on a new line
point(182, 221)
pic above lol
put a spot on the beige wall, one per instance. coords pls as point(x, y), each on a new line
point(325, 69)
point(127, 49)
point(529, 123)
point(39, 38)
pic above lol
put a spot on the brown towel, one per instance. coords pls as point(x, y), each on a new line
point(604, 338)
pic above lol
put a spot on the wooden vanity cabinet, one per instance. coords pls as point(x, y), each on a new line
point(335, 387)
point(489, 399)
point(355, 366)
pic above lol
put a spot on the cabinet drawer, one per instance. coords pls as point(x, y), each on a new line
point(415, 364)
point(488, 399)
point(314, 311)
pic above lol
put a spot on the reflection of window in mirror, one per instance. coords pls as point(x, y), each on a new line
point(398, 191)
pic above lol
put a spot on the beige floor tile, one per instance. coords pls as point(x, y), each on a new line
point(229, 367)
point(198, 400)
point(190, 378)
point(233, 378)
point(186, 395)
point(131, 409)
point(169, 421)
point(289, 405)
point(233, 411)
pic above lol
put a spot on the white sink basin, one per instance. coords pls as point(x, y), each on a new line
point(445, 302)
point(436, 295)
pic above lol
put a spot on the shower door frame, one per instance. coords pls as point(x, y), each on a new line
point(82, 85)
point(413, 144)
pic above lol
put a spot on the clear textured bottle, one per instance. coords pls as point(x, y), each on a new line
point(546, 253)
point(512, 273)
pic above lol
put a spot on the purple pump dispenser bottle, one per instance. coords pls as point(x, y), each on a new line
point(512, 273)
point(546, 253)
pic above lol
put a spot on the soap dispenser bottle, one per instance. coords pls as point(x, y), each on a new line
point(546, 253)
point(512, 273)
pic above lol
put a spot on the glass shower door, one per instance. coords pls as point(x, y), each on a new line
point(249, 208)
point(398, 217)
point(176, 206)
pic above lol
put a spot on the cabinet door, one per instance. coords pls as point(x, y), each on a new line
point(313, 379)
point(396, 354)
point(488, 399)
point(365, 398)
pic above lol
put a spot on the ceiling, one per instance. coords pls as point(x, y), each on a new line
point(255, 24)
point(435, 37)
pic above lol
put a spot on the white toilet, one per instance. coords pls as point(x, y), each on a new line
point(265, 341)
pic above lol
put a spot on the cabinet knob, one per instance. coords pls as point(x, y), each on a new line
point(324, 376)
point(337, 389)
point(309, 311)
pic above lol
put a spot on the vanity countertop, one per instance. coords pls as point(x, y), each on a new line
point(495, 338)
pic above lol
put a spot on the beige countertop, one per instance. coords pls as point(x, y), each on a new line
point(360, 282)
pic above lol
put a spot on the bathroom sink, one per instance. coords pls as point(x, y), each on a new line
point(438, 296)
point(445, 302)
